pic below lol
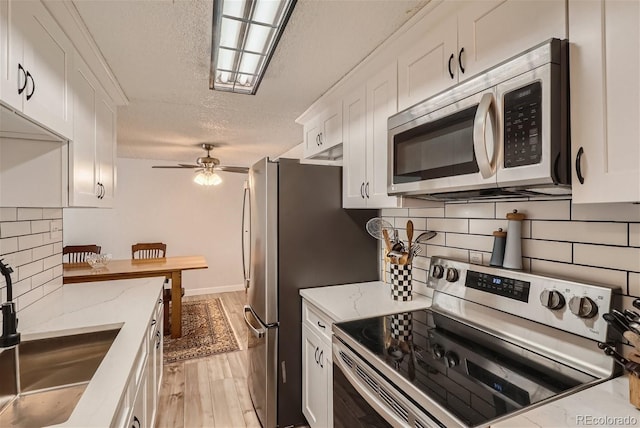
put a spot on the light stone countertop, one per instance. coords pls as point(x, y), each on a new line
point(86, 307)
point(360, 300)
point(599, 405)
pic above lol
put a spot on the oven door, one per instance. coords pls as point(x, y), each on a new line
point(450, 148)
point(364, 398)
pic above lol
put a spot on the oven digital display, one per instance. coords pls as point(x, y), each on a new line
point(499, 285)
point(498, 384)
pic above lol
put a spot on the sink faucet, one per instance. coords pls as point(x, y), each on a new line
point(10, 337)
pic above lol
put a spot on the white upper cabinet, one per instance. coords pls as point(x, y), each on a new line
point(92, 149)
point(36, 59)
point(605, 100)
point(459, 39)
point(323, 134)
point(366, 111)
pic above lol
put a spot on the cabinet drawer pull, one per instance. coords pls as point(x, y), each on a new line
point(153, 322)
point(136, 422)
point(460, 60)
point(321, 325)
point(578, 165)
point(449, 66)
point(33, 85)
point(24, 75)
point(320, 135)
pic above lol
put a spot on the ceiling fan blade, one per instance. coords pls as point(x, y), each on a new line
point(184, 165)
point(167, 166)
point(239, 169)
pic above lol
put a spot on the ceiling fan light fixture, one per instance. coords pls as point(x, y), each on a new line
point(207, 178)
point(244, 36)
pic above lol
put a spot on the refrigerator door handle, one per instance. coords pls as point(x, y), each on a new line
point(244, 213)
point(259, 333)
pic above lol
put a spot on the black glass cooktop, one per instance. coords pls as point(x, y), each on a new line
point(476, 376)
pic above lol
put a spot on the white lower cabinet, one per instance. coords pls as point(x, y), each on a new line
point(317, 369)
point(139, 403)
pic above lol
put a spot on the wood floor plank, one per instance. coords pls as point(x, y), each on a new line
point(237, 364)
point(171, 400)
point(228, 412)
point(218, 367)
point(243, 395)
point(198, 402)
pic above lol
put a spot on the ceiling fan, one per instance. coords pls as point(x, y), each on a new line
point(206, 167)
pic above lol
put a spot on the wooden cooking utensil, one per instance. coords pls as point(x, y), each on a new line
point(409, 234)
point(387, 241)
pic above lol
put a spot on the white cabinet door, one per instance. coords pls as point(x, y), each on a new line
point(45, 67)
point(138, 416)
point(323, 132)
point(105, 149)
point(83, 189)
point(92, 178)
point(354, 171)
point(491, 31)
point(12, 78)
point(605, 100)
point(429, 65)
point(314, 379)
point(382, 98)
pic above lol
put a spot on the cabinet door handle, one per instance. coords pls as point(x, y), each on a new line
point(320, 135)
point(362, 190)
point(321, 354)
point(135, 421)
point(460, 60)
point(316, 357)
point(24, 75)
point(317, 139)
point(158, 339)
point(153, 322)
point(366, 190)
point(321, 325)
point(33, 86)
point(578, 165)
point(449, 66)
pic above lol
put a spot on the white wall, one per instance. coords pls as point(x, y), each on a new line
point(166, 205)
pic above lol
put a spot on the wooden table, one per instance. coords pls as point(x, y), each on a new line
point(169, 267)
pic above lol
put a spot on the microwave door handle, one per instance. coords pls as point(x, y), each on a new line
point(485, 111)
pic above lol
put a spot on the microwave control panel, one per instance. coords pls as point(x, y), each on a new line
point(522, 126)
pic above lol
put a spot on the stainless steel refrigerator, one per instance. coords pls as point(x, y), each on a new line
point(295, 235)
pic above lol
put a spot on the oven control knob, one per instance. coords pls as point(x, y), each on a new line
point(452, 275)
point(437, 271)
point(583, 307)
point(552, 299)
point(451, 359)
point(437, 351)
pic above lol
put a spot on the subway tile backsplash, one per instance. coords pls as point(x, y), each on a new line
point(592, 243)
point(34, 253)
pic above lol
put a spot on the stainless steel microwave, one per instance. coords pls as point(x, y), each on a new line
point(504, 132)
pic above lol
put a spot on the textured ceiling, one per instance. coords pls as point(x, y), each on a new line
point(159, 51)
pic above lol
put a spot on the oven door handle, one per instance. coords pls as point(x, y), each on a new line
point(375, 402)
point(485, 113)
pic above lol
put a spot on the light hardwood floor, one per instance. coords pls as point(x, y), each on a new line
point(210, 392)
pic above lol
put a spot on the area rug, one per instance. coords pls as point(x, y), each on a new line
point(206, 331)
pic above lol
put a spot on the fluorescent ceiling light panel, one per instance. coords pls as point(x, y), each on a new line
point(244, 37)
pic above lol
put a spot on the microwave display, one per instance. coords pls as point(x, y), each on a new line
point(442, 148)
point(522, 126)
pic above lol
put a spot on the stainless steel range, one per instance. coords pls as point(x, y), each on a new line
point(494, 343)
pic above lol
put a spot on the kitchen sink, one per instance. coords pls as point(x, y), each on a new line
point(51, 376)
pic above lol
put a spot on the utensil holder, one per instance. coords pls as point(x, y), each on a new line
point(634, 383)
point(401, 326)
point(401, 282)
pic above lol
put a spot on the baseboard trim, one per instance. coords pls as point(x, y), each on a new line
point(212, 290)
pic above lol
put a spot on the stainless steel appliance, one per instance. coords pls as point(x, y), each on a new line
point(295, 235)
point(503, 132)
point(494, 343)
